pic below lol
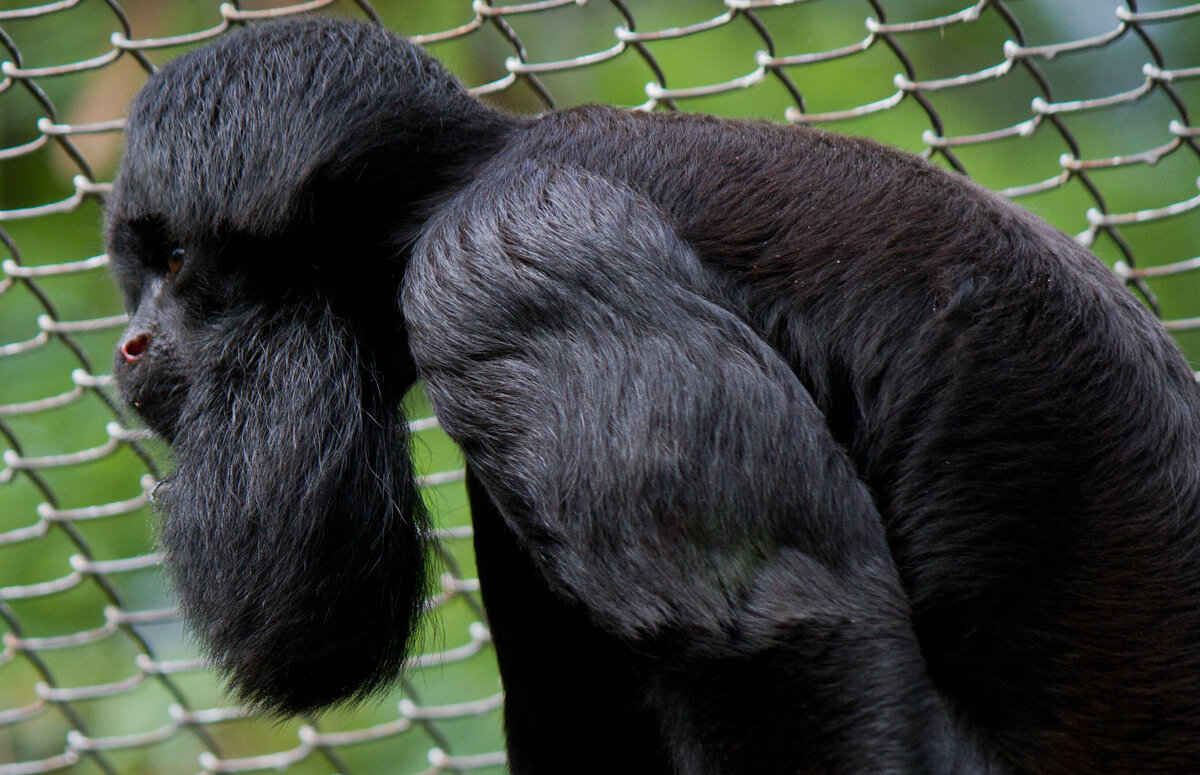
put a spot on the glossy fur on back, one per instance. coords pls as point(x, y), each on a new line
point(788, 452)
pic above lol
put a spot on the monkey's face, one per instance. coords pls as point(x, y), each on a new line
point(292, 528)
point(152, 357)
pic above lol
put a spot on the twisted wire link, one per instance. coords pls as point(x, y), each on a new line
point(75, 473)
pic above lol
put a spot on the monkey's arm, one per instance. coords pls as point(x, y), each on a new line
point(664, 467)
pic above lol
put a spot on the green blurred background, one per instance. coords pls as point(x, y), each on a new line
point(93, 635)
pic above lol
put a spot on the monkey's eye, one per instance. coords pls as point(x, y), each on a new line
point(174, 263)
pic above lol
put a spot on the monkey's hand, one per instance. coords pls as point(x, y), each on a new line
point(665, 468)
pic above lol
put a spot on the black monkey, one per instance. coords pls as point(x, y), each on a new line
point(788, 452)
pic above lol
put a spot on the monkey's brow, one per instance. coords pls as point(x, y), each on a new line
point(150, 226)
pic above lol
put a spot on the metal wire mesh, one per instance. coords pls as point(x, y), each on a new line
point(1080, 111)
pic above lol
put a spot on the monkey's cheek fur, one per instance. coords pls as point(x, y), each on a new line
point(292, 528)
point(301, 603)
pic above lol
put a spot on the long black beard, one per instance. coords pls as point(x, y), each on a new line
point(293, 528)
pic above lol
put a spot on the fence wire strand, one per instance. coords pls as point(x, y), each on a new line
point(96, 673)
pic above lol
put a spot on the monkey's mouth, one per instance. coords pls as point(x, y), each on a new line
point(159, 404)
point(163, 422)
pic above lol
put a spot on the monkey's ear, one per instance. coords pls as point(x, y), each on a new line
point(294, 530)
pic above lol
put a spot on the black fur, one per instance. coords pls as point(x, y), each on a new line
point(788, 452)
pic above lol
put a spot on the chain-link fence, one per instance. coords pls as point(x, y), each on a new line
point(1080, 109)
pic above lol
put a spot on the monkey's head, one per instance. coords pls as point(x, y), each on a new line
point(258, 228)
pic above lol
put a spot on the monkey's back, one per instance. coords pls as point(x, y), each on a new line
point(1027, 429)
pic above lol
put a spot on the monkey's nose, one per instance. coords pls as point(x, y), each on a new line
point(133, 347)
